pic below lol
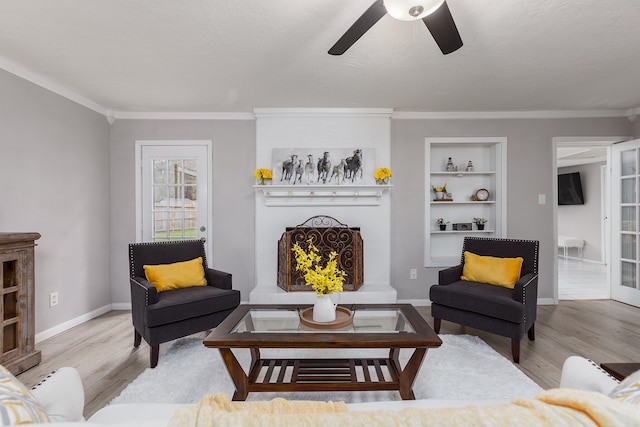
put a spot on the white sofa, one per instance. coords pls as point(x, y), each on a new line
point(62, 396)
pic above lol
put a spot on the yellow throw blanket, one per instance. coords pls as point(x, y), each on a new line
point(553, 408)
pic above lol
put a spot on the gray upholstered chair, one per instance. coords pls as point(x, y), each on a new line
point(159, 317)
point(495, 309)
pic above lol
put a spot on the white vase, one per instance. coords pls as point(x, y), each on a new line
point(439, 195)
point(324, 310)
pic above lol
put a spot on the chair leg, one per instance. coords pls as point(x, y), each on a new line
point(531, 333)
point(137, 338)
point(436, 324)
point(155, 352)
point(515, 350)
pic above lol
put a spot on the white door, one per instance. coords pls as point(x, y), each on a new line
point(173, 191)
point(625, 203)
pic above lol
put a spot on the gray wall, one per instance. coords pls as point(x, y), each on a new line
point(54, 179)
point(530, 172)
point(584, 221)
point(233, 195)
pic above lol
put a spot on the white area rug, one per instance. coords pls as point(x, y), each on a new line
point(464, 367)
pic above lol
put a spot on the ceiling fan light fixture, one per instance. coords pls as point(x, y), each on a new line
point(410, 10)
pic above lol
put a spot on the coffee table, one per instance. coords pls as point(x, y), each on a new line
point(385, 326)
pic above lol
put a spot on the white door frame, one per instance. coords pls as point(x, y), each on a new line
point(562, 141)
point(139, 144)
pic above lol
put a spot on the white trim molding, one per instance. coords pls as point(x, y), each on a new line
point(551, 114)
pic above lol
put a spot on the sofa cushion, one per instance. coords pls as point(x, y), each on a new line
point(187, 303)
point(185, 274)
point(489, 300)
point(17, 404)
point(491, 270)
point(628, 390)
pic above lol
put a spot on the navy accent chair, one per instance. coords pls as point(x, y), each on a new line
point(507, 312)
point(160, 317)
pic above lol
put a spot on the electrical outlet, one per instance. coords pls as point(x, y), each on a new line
point(413, 274)
point(53, 299)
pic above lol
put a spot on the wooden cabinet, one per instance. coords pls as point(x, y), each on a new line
point(17, 331)
point(488, 172)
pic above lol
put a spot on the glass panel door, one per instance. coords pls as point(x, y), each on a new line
point(626, 208)
point(173, 200)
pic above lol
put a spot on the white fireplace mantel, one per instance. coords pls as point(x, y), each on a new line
point(365, 206)
point(322, 195)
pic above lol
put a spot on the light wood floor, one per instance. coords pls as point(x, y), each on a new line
point(603, 330)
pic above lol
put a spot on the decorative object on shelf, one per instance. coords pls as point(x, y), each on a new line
point(462, 226)
point(324, 280)
point(263, 176)
point(482, 195)
point(480, 222)
point(441, 222)
point(440, 191)
point(382, 176)
point(470, 166)
point(450, 166)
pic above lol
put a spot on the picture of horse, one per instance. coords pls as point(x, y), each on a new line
point(323, 166)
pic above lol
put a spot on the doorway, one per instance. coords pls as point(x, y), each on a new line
point(172, 191)
point(582, 265)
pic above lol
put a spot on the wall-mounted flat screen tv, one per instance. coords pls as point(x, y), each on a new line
point(570, 189)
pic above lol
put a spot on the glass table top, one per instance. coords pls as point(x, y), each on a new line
point(365, 320)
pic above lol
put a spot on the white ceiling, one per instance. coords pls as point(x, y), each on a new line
point(234, 56)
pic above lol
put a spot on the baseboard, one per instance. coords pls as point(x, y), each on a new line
point(121, 306)
point(71, 323)
point(574, 258)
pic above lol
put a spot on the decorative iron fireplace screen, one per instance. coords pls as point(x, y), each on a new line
point(328, 235)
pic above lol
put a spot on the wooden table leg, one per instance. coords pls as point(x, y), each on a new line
point(238, 376)
point(408, 374)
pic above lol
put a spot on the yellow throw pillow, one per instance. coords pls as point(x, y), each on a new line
point(492, 270)
point(186, 274)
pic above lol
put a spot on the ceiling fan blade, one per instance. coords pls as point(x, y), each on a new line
point(375, 12)
point(443, 29)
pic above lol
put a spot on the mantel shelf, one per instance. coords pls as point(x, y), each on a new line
point(322, 195)
point(486, 230)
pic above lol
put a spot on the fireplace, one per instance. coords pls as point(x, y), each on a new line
point(328, 234)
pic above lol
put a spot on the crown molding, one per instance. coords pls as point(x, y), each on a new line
point(550, 114)
point(49, 85)
point(150, 115)
point(323, 112)
point(632, 113)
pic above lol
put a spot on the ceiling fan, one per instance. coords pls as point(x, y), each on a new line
point(434, 13)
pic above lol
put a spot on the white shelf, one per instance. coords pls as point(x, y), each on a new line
point(486, 230)
point(467, 202)
point(443, 248)
point(463, 173)
point(322, 195)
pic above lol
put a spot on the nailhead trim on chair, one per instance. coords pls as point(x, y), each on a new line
point(131, 266)
point(204, 256)
point(537, 244)
point(493, 239)
point(602, 370)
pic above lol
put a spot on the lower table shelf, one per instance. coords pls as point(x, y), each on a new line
point(323, 375)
